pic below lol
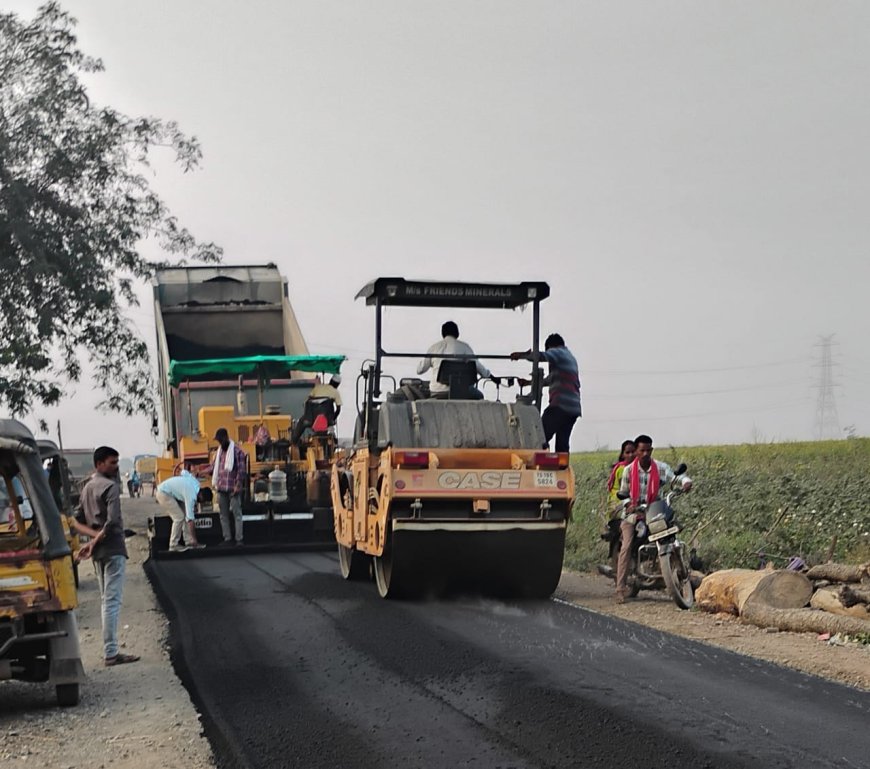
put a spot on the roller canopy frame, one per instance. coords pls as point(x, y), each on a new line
point(399, 292)
point(418, 293)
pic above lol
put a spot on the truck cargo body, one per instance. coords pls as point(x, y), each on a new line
point(220, 312)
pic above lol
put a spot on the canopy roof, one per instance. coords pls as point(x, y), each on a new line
point(268, 366)
point(421, 293)
point(18, 442)
point(17, 433)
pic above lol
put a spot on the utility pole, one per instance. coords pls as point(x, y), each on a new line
point(827, 424)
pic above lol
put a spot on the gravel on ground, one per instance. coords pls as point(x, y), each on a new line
point(847, 663)
point(135, 716)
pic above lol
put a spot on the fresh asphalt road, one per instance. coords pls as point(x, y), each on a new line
point(294, 667)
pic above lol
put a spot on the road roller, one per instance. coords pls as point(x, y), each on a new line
point(443, 490)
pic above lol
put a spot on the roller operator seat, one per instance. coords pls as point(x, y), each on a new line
point(460, 376)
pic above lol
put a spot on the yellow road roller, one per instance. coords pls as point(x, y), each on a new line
point(444, 490)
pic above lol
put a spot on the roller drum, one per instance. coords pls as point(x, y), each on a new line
point(511, 563)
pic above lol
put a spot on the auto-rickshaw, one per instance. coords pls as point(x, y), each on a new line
point(39, 638)
point(64, 490)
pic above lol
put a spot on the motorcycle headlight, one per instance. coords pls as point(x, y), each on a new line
point(657, 524)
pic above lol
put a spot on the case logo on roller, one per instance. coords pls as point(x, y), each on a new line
point(450, 479)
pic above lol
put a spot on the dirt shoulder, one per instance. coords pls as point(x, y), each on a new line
point(136, 716)
point(848, 664)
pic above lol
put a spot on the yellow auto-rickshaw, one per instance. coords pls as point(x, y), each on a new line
point(39, 639)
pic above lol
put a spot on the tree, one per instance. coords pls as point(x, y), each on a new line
point(75, 207)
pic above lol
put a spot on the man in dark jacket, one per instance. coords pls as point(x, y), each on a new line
point(99, 517)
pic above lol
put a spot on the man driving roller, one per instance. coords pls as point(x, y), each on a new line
point(447, 349)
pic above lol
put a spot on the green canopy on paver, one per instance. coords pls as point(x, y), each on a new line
point(267, 366)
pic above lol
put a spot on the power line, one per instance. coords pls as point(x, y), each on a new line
point(770, 407)
point(643, 394)
point(748, 366)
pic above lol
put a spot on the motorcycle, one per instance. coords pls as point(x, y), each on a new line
point(659, 559)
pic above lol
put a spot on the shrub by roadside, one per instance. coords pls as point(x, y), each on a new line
point(779, 499)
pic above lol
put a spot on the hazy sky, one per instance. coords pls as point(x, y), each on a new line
point(691, 178)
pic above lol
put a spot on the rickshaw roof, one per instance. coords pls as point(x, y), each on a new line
point(13, 432)
point(47, 447)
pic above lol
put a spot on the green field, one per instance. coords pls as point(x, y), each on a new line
point(782, 499)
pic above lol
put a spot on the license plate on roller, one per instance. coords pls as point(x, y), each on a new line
point(663, 534)
point(545, 479)
point(202, 523)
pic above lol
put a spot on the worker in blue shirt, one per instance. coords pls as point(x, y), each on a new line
point(178, 496)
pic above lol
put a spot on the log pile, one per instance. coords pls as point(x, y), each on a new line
point(839, 572)
point(838, 600)
point(829, 598)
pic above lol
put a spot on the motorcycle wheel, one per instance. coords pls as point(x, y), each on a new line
point(676, 577)
point(632, 582)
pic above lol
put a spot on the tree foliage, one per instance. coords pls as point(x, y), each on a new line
point(75, 207)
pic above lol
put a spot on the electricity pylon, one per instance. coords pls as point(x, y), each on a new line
point(827, 422)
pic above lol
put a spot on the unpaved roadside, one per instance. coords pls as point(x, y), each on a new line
point(136, 716)
point(803, 651)
point(139, 716)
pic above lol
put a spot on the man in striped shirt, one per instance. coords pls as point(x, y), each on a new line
point(563, 382)
point(229, 479)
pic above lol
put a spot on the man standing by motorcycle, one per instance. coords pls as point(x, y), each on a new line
point(642, 483)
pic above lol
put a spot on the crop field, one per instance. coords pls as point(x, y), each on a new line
point(750, 503)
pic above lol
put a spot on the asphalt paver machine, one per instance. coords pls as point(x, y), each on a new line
point(451, 493)
point(231, 355)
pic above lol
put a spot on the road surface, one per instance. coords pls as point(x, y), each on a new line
point(292, 666)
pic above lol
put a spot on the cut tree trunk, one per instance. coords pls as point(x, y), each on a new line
point(731, 589)
point(850, 596)
point(783, 590)
point(839, 572)
point(802, 620)
point(727, 590)
point(829, 599)
point(696, 578)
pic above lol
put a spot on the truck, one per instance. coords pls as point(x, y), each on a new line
point(146, 466)
point(446, 490)
point(230, 354)
point(81, 466)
